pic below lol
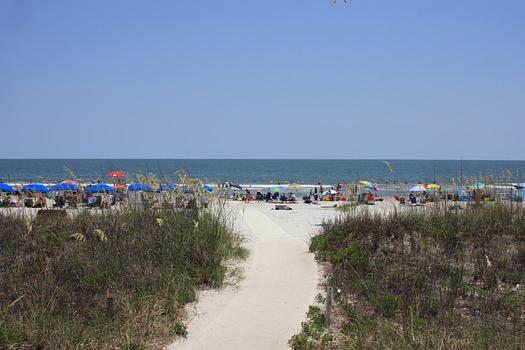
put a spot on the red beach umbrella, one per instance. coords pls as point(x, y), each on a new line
point(116, 174)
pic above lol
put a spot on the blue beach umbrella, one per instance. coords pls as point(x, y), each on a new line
point(208, 188)
point(64, 186)
point(139, 187)
point(6, 188)
point(35, 188)
point(99, 188)
point(168, 187)
point(477, 185)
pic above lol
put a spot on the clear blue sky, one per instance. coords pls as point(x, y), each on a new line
point(263, 79)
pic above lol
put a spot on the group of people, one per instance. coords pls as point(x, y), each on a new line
point(62, 199)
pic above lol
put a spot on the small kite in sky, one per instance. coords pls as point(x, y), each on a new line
point(335, 2)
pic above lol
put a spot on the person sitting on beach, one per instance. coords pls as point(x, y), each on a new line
point(41, 202)
point(91, 200)
point(60, 202)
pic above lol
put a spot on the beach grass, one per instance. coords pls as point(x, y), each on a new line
point(428, 279)
point(118, 279)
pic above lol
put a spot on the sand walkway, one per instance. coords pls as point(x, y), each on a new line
point(280, 280)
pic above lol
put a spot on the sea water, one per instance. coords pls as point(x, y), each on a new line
point(266, 171)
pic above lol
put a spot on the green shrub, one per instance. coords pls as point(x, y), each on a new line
point(429, 276)
point(92, 280)
point(179, 329)
point(355, 255)
point(387, 305)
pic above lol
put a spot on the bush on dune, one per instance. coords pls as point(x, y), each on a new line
point(113, 280)
point(429, 279)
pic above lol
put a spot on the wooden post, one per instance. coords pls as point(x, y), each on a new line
point(328, 309)
point(109, 301)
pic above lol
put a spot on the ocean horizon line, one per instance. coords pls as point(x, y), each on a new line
point(289, 159)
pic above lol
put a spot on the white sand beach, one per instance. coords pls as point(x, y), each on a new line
point(280, 282)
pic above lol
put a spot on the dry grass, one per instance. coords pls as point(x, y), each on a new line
point(435, 279)
point(116, 280)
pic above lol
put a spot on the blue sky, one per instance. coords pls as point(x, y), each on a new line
point(263, 79)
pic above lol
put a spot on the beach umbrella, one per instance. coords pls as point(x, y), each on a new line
point(64, 186)
point(294, 186)
point(116, 174)
point(477, 185)
point(235, 185)
point(416, 188)
point(433, 187)
point(208, 188)
point(332, 191)
point(139, 187)
point(70, 182)
point(96, 188)
point(6, 188)
point(368, 184)
point(168, 187)
point(278, 189)
point(35, 188)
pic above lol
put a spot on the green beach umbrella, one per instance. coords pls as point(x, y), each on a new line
point(278, 189)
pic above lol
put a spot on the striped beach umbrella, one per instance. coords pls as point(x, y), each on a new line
point(416, 188)
point(278, 189)
point(369, 184)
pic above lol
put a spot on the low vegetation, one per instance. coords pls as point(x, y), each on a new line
point(429, 279)
point(112, 280)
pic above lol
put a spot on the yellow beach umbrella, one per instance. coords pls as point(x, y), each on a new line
point(294, 186)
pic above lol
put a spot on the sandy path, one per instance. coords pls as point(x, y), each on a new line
point(280, 280)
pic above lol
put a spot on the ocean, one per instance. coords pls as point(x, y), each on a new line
point(266, 171)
